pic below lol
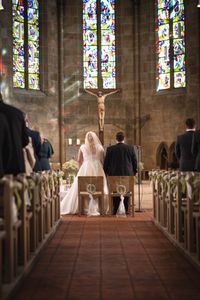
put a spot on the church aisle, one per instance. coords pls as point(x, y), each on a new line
point(105, 258)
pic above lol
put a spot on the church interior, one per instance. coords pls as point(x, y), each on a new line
point(144, 57)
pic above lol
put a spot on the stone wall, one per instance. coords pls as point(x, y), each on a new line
point(168, 110)
point(41, 106)
point(62, 110)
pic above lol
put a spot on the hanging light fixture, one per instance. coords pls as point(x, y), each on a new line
point(1, 5)
point(198, 4)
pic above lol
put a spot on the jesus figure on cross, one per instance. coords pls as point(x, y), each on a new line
point(101, 105)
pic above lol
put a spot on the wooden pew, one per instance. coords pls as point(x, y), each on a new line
point(90, 185)
point(116, 184)
point(2, 239)
point(11, 225)
point(56, 194)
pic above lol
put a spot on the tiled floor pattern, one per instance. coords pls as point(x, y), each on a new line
point(109, 258)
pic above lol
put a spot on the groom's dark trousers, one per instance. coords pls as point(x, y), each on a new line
point(120, 160)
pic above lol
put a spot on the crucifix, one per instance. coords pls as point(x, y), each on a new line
point(101, 109)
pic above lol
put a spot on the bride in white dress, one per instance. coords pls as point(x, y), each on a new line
point(90, 160)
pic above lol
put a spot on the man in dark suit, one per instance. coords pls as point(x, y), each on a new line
point(184, 145)
point(19, 137)
point(120, 160)
point(5, 139)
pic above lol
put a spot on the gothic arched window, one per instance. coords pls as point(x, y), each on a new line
point(170, 44)
point(99, 67)
point(26, 44)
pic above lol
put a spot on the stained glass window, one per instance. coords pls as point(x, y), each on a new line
point(170, 44)
point(99, 44)
point(26, 44)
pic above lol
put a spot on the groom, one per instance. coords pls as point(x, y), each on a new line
point(120, 160)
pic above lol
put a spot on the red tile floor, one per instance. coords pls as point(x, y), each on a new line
point(109, 258)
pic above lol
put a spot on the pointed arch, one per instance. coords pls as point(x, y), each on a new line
point(162, 157)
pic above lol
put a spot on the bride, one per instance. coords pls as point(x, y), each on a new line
point(90, 161)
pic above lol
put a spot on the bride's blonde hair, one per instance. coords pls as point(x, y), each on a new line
point(92, 141)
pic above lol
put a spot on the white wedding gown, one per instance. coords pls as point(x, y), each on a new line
point(92, 166)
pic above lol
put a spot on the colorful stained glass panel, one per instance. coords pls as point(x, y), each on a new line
point(178, 29)
point(179, 47)
point(109, 83)
point(177, 13)
point(26, 55)
point(108, 24)
point(163, 49)
point(90, 71)
point(18, 2)
point(170, 44)
point(18, 48)
point(18, 44)
point(90, 43)
point(18, 63)
point(163, 16)
point(179, 63)
point(108, 53)
point(89, 7)
point(163, 32)
point(108, 37)
point(33, 3)
point(108, 44)
point(33, 81)
point(90, 83)
point(90, 38)
point(18, 32)
point(90, 54)
point(19, 80)
point(90, 23)
point(179, 79)
point(18, 14)
point(177, 16)
point(33, 33)
point(163, 66)
point(163, 82)
point(33, 16)
point(163, 4)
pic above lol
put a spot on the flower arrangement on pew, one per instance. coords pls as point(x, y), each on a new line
point(70, 169)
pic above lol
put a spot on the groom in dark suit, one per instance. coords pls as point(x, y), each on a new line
point(120, 160)
point(184, 147)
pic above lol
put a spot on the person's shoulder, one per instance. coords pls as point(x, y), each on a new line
point(110, 147)
point(124, 145)
point(197, 133)
point(180, 135)
point(128, 146)
point(33, 132)
point(11, 108)
point(82, 147)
